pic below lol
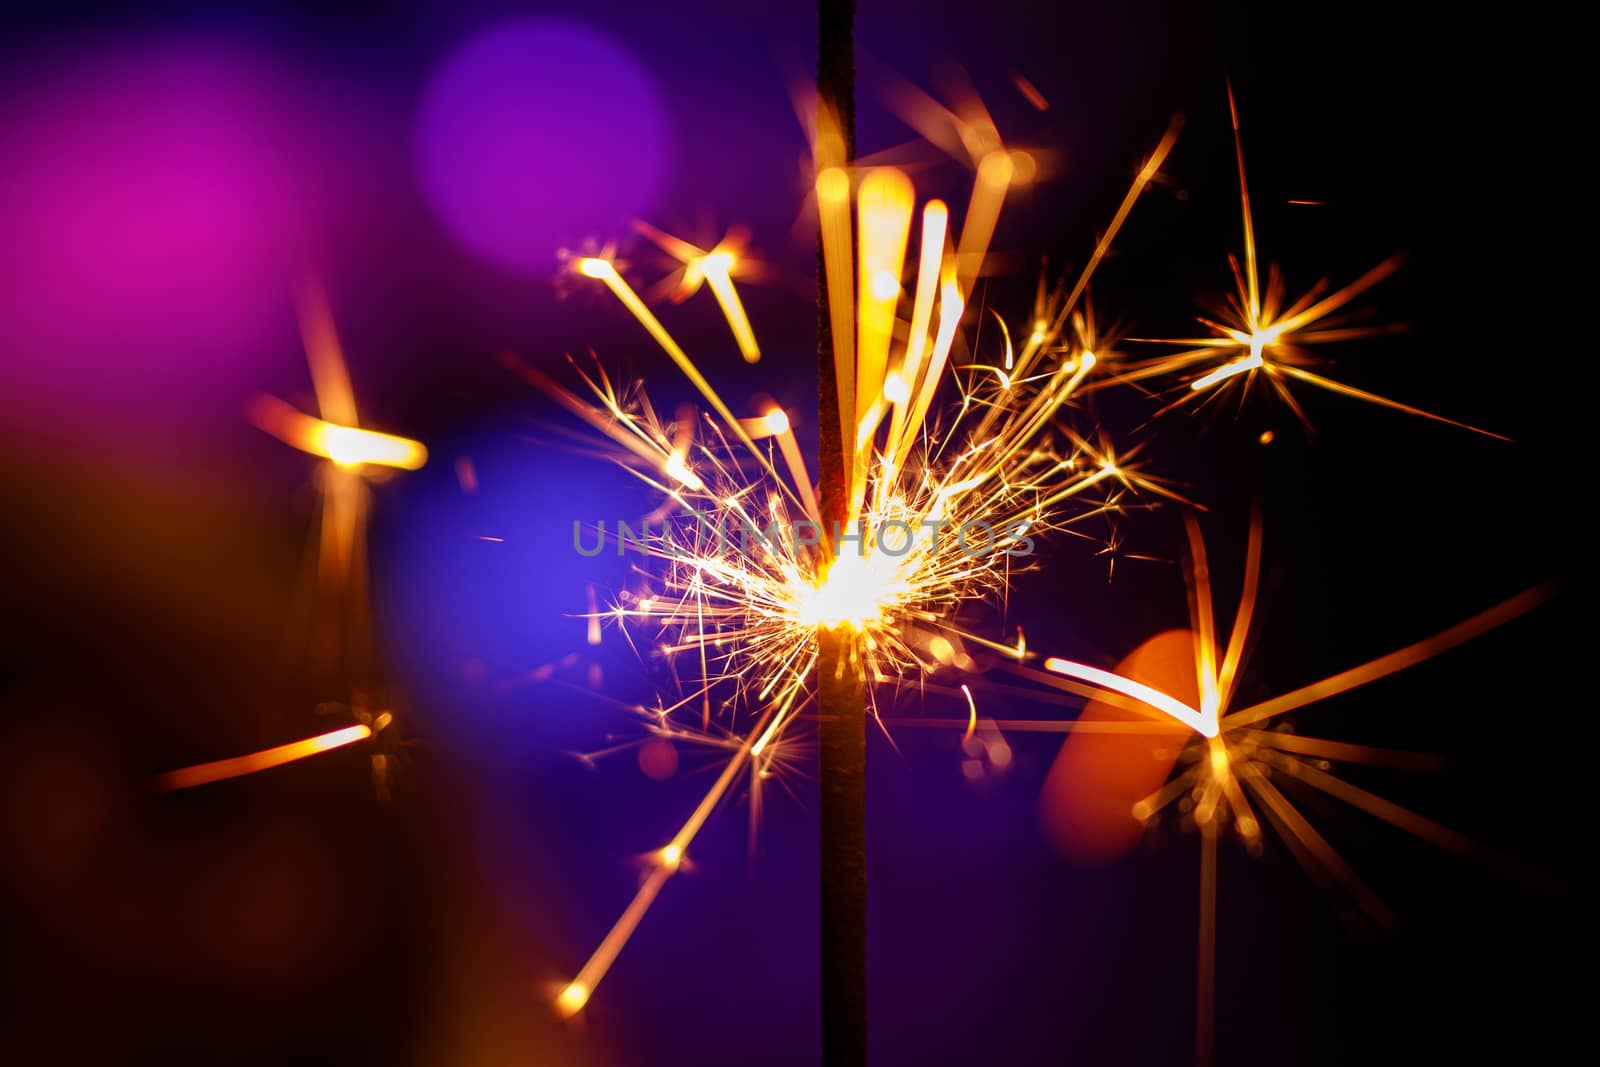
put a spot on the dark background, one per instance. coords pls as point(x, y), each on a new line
point(154, 542)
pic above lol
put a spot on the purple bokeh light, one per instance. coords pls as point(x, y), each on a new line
point(536, 134)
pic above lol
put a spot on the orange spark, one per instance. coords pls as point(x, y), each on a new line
point(266, 759)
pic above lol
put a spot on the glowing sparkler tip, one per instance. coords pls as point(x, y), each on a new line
point(997, 168)
point(1024, 168)
point(591, 267)
point(679, 472)
point(833, 185)
point(776, 421)
point(670, 857)
point(348, 447)
point(572, 999)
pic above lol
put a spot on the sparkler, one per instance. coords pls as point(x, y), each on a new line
point(353, 456)
point(756, 613)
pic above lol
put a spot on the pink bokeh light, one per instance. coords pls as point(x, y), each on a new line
point(153, 196)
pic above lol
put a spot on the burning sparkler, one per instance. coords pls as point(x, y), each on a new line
point(750, 573)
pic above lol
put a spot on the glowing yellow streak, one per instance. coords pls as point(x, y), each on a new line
point(1226, 371)
point(1154, 698)
point(617, 427)
point(676, 469)
point(951, 308)
point(935, 221)
point(347, 446)
point(795, 460)
point(765, 426)
point(1409, 656)
point(1106, 471)
point(266, 759)
point(833, 213)
point(1341, 751)
point(983, 211)
point(1038, 414)
point(576, 993)
point(1334, 301)
point(883, 205)
point(718, 271)
point(972, 715)
point(605, 271)
point(677, 248)
point(1295, 828)
point(1146, 173)
point(1402, 818)
point(336, 400)
point(932, 120)
point(1253, 284)
point(1237, 636)
point(1011, 354)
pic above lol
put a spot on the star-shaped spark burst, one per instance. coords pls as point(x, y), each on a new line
point(1228, 775)
point(1259, 334)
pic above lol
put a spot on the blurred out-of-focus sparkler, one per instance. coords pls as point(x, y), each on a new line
point(353, 455)
point(1229, 773)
